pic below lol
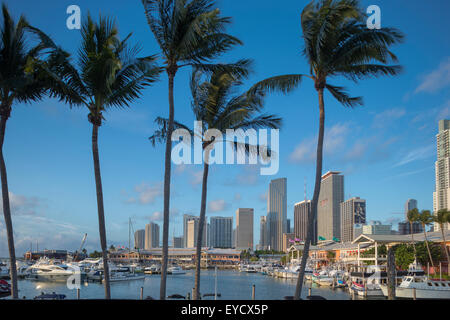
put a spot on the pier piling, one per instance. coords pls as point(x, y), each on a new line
point(78, 293)
point(142, 293)
point(253, 292)
point(391, 283)
point(414, 294)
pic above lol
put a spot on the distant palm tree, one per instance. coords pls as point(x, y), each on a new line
point(19, 82)
point(189, 33)
point(337, 43)
point(425, 218)
point(110, 75)
point(217, 107)
point(413, 216)
point(442, 218)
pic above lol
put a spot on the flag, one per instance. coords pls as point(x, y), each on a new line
point(335, 239)
point(322, 238)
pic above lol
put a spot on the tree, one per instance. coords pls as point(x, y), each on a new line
point(413, 216)
point(426, 219)
point(218, 109)
point(443, 217)
point(110, 75)
point(189, 33)
point(337, 42)
point(20, 82)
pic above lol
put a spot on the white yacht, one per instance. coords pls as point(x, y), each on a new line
point(424, 288)
point(51, 270)
point(153, 269)
point(322, 279)
point(175, 270)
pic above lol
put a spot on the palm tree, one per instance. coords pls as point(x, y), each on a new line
point(413, 216)
point(217, 108)
point(189, 33)
point(425, 218)
point(19, 82)
point(337, 42)
point(443, 217)
point(110, 75)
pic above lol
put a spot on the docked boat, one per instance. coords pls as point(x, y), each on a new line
point(420, 287)
point(4, 272)
point(5, 288)
point(322, 279)
point(153, 269)
point(51, 270)
point(124, 276)
point(50, 296)
point(175, 270)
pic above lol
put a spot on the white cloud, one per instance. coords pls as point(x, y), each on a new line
point(417, 154)
point(437, 79)
point(23, 205)
point(388, 116)
point(217, 205)
point(147, 194)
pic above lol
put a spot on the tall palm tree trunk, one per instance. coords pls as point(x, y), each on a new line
point(7, 213)
point(201, 225)
point(412, 238)
point(313, 214)
point(428, 247)
point(445, 247)
point(167, 164)
point(101, 211)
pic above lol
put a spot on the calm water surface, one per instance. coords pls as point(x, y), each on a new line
point(231, 285)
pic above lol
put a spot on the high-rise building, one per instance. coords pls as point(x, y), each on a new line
point(329, 206)
point(441, 195)
point(139, 239)
point(353, 211)
point(288, 226)
point(287, 238)
point(151, 236)
point(178, 242)
point(405, 227)
point(301, 213)
point(409, 205)
point(192, 233)
point(221, 232)
point(186, 219)
point(276, 208)
point(263, 233)
point(377, 228)
point(244, 228)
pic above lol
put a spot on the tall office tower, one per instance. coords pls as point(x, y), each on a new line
point(441, 195)
point(288, 225)
point(221, 232)
point(276, 208)
point(192, 233)
point(186, 219)
point(353, 212)
point(151, 236)
point(405, 227)
point(263, 233)
point(409, 205)
point(244, 228)
point(301, 212)
point(178, 242)
point(139, 239)
point(328, 209)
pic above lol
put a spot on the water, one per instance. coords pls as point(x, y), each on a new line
point(232, 285)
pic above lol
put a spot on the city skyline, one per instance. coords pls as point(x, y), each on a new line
point(389, 142)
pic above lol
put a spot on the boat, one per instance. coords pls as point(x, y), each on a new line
point(124, 276)
point(175, 270)
point(153, 269)
point(50, 296)
point(5, 288)
point(322, 279)
point(51, 270)
point(420, 287)
point(4, 271)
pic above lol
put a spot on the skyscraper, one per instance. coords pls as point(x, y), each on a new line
point(178, 242)
point(409, 205)
point(263, 233)
point(353, 212)
point(277, 214)
point(328, 209)
point(441, 195)
point(244, 228)
point(221, 232)
point(151, 236)
point(186, 219)
point(301, 213)
point(192, 233)
point(139, 239)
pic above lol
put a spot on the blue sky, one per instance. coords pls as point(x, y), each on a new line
point(385, 149)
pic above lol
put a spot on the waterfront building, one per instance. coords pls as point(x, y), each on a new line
point(301, 213)
point(353, 211)
point(377, 228)
point(328, 209)
point(277, 212)
point(263, 233)
point(178, 242)
point(186, 219)
point(244, 229)
point(288, 239)
point(151, 236)
point(221, 232)
point(441, 195)
point(192, 233)
point(139, 239)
